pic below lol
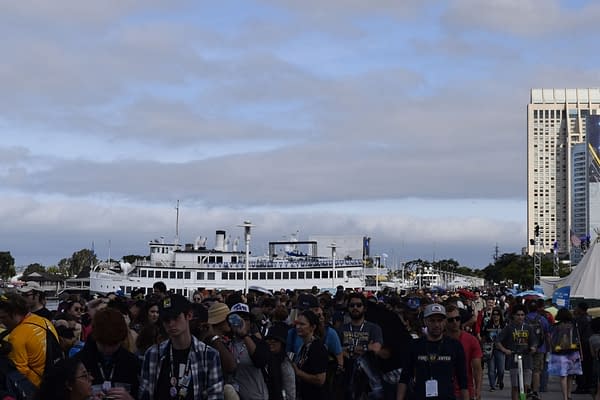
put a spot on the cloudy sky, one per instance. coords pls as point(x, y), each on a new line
point(401, 120)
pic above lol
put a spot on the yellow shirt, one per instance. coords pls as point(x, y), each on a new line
point(29, 346)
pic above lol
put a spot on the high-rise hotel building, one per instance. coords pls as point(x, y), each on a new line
point(557, 166)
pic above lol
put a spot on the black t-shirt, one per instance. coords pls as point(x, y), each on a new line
point(443, 361)
point(180, 367)
point(312, 359)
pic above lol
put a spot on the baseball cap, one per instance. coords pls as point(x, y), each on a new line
point(172, 305)
point(239, 308)
point(434, 309)
point(30, 286)
point(306, 301)
point(278, 332)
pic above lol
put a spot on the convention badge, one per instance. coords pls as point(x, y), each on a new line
point(173, 381)
point(173, 391)
point(181, 370)
point(182, 392)
point(431, 388)
point(106, 385)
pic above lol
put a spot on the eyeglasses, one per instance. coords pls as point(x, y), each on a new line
point(355, 305)
point(85, 375)
point(455, 319)
point(77, 309)
point(197, 299)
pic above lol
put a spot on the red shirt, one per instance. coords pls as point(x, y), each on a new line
point(472, 350)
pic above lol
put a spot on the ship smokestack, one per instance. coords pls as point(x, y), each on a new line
point(220, 240)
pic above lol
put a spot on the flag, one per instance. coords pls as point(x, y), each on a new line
point(575, 241)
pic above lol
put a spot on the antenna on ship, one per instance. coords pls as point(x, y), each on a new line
point(177, 224)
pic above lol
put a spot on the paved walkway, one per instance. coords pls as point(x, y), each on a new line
point(553, 392)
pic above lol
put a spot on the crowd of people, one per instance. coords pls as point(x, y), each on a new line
point(305, 345)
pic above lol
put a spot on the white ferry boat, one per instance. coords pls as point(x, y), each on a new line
point(185, 268)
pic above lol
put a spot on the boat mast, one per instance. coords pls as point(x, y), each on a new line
point(177, 224)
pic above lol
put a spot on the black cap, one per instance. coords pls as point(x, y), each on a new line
point(171, 306)
point(278, 332)
point(200, 312)
point(306, 301)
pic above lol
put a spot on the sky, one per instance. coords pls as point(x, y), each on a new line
point(404, 121)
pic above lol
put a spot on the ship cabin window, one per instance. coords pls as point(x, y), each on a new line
point(165, 274)
point(211, 276)
point(263, 276)
point(143, 273)
point(317, 275)
point(240, 276)
point(179, 274)
point(234, 259)
point(254, 276)
point(348, 273)
point(340, 274)
point(232, 276)
point(200, 276)
point(325, 274)
point(301, 275)
point(215, 259)
point(179, 292)
point(309, 275)
point(277, 275)
point(172, 274)
point(187, 275)
point(150, 274)
point(293, 275)
point(286, 275)
point(199, 259)
point(224, 275)
point(269, 275)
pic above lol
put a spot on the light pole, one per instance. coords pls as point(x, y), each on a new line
point(247, 225)
point(381, 259)
point(332, 246)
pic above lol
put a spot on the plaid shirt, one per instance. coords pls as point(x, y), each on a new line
point(205, 364)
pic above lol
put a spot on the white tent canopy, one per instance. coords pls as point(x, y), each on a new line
point(585, 278)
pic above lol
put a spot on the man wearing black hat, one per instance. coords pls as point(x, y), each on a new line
point(182, 367)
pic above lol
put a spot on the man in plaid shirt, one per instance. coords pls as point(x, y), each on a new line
point(182, 367)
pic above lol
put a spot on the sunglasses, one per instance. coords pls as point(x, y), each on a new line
point(355, 305)
point(455, 319)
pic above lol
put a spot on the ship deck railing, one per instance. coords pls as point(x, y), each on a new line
point(252, 265)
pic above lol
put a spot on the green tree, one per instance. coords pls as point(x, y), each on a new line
point(7, 265)
point(81, 259)
point(35, 267)
point(55, 270)
point(131, 258)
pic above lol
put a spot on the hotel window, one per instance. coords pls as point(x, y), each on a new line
point(211, 276)
point(200, 276)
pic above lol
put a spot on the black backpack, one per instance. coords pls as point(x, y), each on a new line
point(13, 384)
point(54, 352)
point(538, 329)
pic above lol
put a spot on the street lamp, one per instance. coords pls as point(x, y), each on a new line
point(332, 246)
point(247, 225)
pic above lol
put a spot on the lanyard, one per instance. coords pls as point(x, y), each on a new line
point(356, 338)
point(110, 376)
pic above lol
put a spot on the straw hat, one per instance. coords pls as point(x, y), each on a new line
point(217, 313)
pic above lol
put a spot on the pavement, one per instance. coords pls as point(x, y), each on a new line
point(553, 392)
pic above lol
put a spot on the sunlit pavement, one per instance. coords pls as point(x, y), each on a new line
point(553, 392)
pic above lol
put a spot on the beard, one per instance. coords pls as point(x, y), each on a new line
point(357, 315)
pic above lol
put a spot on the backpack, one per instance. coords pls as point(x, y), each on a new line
point(536, 324)
point(54, 352)
point(13, 384)
point(564, 338)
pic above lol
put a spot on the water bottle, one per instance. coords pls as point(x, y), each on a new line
point(235, 321)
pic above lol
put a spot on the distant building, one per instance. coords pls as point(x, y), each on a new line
point(558, 194)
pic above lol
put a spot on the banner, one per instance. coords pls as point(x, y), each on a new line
point(562, 296)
